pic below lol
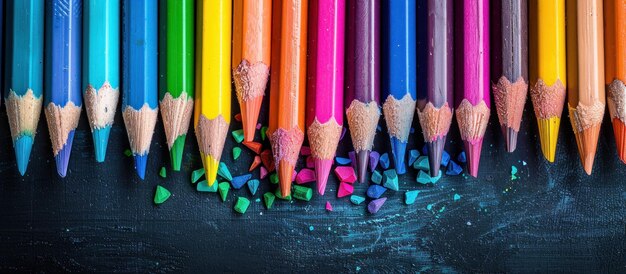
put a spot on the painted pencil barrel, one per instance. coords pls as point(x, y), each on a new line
point(63, 100)
point(23, 86)
point(177, 73)
point(101, 68)
point(213, 81)
point(548, 77)
point(585, 73)
point(139, 78)
point(615, 69)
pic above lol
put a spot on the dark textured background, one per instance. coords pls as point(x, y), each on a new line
point(101, 217)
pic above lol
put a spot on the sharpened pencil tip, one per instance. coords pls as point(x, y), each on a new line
point(510, 136)
point(63, 157)
point(398, 149)
point(23, 146)
point(361, 164)
point(140, 164)
point(322, 171)
point(473, 150)
point(176, 152)
point(285, 173)
point(100, 141)
point(435, 152)
point(211, 166)
point(249, 116)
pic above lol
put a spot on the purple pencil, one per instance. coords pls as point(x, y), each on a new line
point(362, 78)
point(472, 93)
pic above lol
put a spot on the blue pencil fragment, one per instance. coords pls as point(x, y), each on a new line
point(413, 154)
point(445, 158)
point(253, 186)
point(343, 161)
point(375, 191)
point(453, 169)
point(241, 180)
point(384, 160)
point(461, 157)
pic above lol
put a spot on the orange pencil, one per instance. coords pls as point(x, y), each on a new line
point(287, 90)
point(252, 28)
point(615, 69)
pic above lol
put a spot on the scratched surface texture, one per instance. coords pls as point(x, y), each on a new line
point(102, 218)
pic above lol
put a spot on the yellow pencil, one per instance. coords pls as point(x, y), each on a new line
point(547, 69)
point(213, 84)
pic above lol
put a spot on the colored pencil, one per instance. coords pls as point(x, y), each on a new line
point(288, 84)
point(436, 100)
point(547, 69)
point(101, 69)
point(63, 101)
point(252, 25)
point(615, 58)
point(472, 93)
point(139, 78)
point(509, 67)
point(325, 84)
point(176, 60)
point(24, 74)
point(362, 79)
point(212, 114)
point(585, 73)
point(399, 74)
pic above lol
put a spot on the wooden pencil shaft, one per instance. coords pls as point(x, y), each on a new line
point(399, 60)
point(509, 39)
point(176, 47)
point(440, 73)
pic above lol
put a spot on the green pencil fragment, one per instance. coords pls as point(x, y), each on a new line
point(302, 193)
point(223, 171)
point(269, 198)
point(242, 205)
point(236, 153)
point(274, 178)
point(163, 172)
point(280, 196)
point(128, 153)
point(203, 186)
point(238, 135)
point(161, 195)
point(223, 189)
point(263, 133)
point(196, 175)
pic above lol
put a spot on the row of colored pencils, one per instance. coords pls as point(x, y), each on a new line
point(342, 52)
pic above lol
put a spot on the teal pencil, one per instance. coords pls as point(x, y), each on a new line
point(101, 68)
point(24, 74)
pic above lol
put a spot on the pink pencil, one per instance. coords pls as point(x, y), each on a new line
point(472, 91)
point(325, 97)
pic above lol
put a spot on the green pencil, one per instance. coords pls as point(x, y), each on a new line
point(176, 78)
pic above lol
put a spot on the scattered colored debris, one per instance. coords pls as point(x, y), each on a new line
point(268, 160)
point(375, 205)
point(258, 126)
point(429, 206)
point(345, 174)
point(374, 157)
point(242, 205)
point(253, 185)
point(262, 173)
point(241, 180)
point(294, 174)
point(305, 176)
point(236, 153)
point(356, 199)
point(375, 191)
point(329, 207)
point(280, 196)
point(305, 151)
point(238, 117)
point(342, 161)
point(223, 171)
point(274, 178)
point(163, 172)
point(436, 178)
point(203, 186)
point(524, 163)
point(161, 195)
point(424, 178)
point(410, 196)
point(413, 154)
point(421, 163)
point(384, 160)
point(263, 133)
point(345, 189)
point(255, 163)
point(513, 172)
point(445, 158)
point(223, 189)
point(457, 197)
point(268, 198)
point(311, 228)
point(377, 178)
point(238, 135)
point(310, 162)
point(461, 157)
point(254, 146)
point(391, 179)
point(128, 153)
point(453, 168)
point(196, 175)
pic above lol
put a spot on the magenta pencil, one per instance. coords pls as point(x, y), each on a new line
point(325, 97)
point(472, 93)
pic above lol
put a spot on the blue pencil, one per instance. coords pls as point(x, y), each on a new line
point(139, 78)
point(101, 69)
point(63, 100)
point(23, 87)
point(399, 75)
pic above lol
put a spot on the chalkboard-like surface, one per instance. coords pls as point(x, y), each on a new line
point(102, 218)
